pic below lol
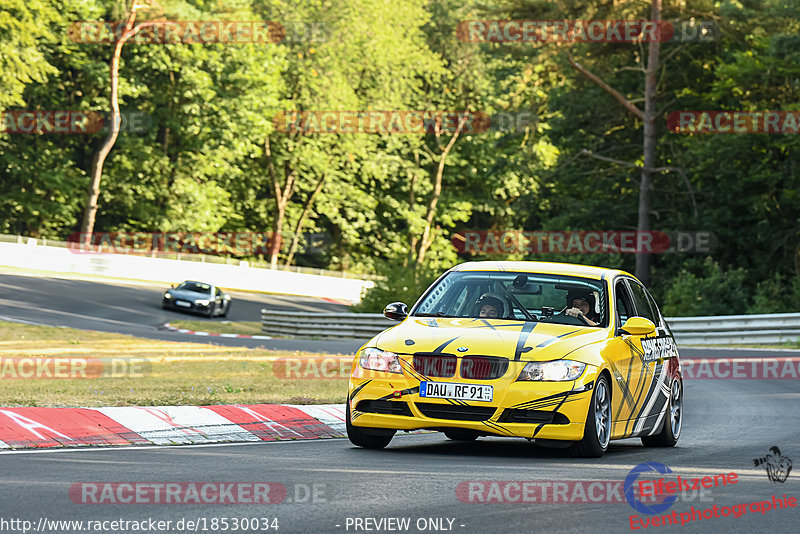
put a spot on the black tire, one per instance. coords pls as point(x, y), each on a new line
point(225, 310)
point(373, 438)
point(673, 420)
point(164, 305)
point(597, 432)
point(458, 434)
point(212, 308)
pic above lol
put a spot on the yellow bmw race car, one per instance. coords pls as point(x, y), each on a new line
point(561, 354)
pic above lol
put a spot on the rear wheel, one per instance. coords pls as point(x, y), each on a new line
point(673, 420)
point(368, 438)
point(597, 432)
point(458, 434)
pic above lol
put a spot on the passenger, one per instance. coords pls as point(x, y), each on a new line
point(580, 303)
point(489, 307)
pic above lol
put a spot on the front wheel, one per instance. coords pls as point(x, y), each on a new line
point(226, 309)
point(212, 308)
point(367, 438)
point(597, 432)
point(673, 420)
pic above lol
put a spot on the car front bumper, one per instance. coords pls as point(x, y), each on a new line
point(542, 410)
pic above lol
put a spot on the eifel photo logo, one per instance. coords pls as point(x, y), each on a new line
point(778, 466)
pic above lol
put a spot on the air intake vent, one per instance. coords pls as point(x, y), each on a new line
point(511, 415)
point(437, 365)
point(483, 367)
point(384, 407)
point(455, 412)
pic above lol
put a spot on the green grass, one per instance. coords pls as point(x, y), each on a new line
point(172, 373)
point(220, 327)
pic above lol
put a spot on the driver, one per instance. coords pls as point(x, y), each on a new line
point(489, 307)
point(580, 303)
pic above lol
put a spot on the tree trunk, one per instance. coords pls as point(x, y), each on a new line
point(299, 226)
point(96, 173)
point(649, 145)
point(282, 196)
point(426, 240)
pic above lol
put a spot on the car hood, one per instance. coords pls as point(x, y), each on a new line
point(188, 295)
point(487, 337)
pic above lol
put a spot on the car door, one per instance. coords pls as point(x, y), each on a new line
point(656, 349)
point(628, 372)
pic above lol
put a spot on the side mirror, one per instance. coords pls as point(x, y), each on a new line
point(638, 326)
point(396, 311)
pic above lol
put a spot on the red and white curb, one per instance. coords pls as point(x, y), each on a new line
point(167, 326)
point(22, 428)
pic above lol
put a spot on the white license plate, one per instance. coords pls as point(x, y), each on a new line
point(454, 390)
point(183, 304)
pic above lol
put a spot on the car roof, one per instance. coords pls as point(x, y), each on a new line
point(543, 267)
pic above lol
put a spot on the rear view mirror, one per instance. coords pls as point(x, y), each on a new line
point(638, 326)
point(396, 311)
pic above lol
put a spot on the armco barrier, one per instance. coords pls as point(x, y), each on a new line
point(736, 329)
point(712, 330)
point(323, 325)
point(62, 260)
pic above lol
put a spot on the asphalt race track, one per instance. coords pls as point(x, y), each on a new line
point(135, 309)
point(728, 423)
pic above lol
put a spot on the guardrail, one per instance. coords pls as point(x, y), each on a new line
point(757, 329)
point(711, 330)
point(323, 325)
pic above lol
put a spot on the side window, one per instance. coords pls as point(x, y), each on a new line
point(218, 292)
point(643, 308)
point(653, 305)
point(623, 302)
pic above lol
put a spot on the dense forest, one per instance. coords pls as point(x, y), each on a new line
point(562, 149)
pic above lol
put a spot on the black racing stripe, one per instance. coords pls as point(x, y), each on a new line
point(553, 339)
point(527, 328)
point(497, 426)
point(654, 385)
point(440, 348)
point(358, 388)
point(538, 428)
point(645, 370)
point(627, 396)
point(549, 397)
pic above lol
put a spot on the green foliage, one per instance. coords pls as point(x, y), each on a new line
point(399, 285)
point(202, 164)
point(777, 295)
point(713, 292)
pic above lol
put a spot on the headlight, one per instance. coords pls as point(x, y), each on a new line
point(380, 360)
point(201, 302)
point(555, 371)
point(167, 296)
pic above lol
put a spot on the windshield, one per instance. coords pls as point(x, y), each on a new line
point(197, 287)
point(517, 296)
